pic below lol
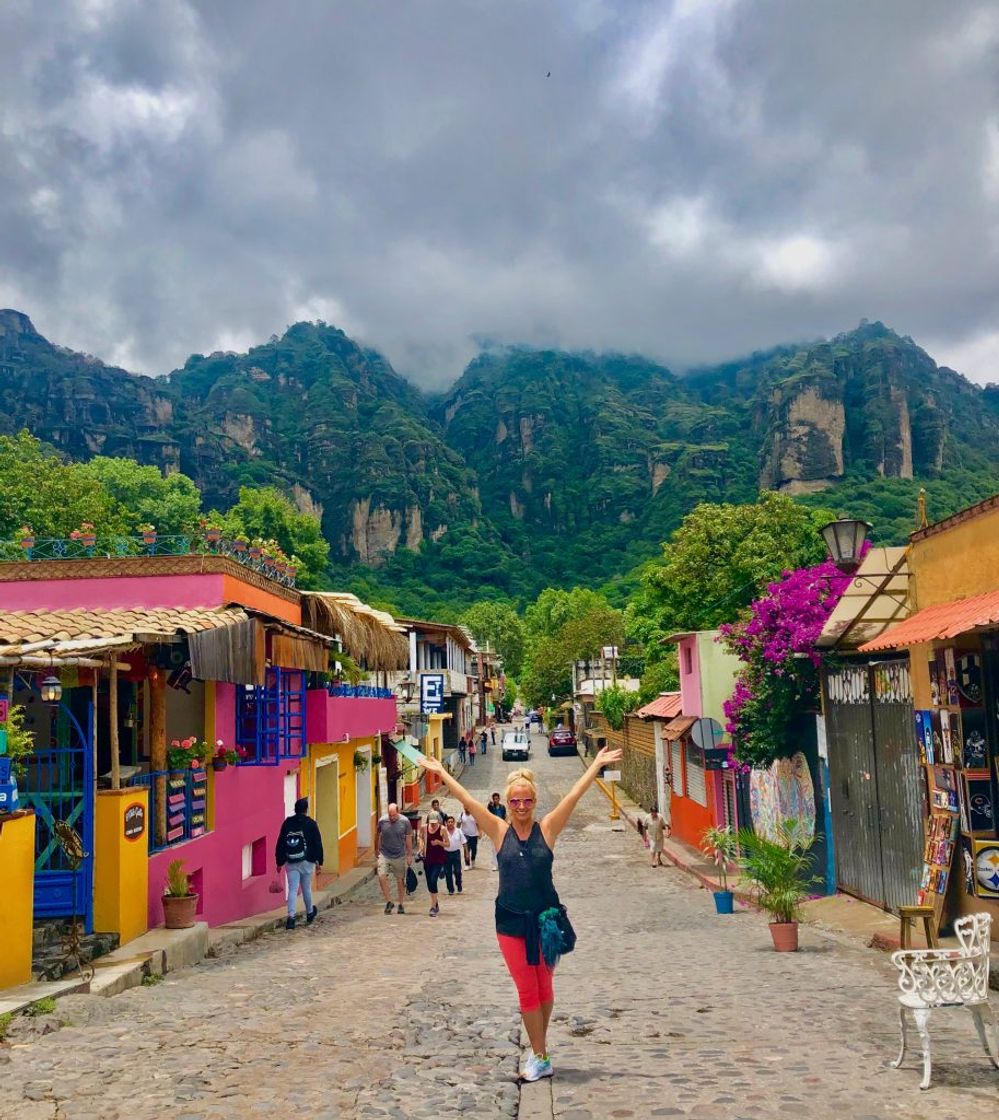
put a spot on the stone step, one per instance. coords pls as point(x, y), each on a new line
point(49, 961)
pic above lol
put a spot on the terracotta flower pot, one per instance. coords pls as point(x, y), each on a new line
point(88, 540)
point(219, 764)
point(148, 538)
point(213, 536)
point(179, 913)
point(785, 935)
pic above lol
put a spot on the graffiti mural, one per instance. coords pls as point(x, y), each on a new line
point(782, 793)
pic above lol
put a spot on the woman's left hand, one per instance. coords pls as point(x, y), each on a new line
point(607, 755)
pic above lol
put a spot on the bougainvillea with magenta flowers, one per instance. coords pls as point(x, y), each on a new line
point(776, 643)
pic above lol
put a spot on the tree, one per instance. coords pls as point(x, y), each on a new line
point(144, 495)
point(722, 557)
point(41, 492)
point(498, 624)
point(582, 621)
point(265, 513)
point(615, 703)
point(554, 607)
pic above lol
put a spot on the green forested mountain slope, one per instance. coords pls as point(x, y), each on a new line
point(537, 467)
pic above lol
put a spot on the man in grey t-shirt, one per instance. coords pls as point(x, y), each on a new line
point(394, 848)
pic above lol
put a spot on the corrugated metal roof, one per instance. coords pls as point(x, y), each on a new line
point(945, 620)
point(666, 706)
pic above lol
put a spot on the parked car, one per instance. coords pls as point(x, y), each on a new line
point(516, 746)
point(561, 741)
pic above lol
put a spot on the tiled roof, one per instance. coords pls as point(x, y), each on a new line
point(80, 630)
point(677, 728)
point(665, 706)
point(945, 620)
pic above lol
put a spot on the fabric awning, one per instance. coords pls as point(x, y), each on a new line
point(676, 728)
point(945, 620)
point(667, 706)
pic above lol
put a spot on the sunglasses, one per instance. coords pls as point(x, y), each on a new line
point(521, 802)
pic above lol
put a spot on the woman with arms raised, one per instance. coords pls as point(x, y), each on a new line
point(527, 900)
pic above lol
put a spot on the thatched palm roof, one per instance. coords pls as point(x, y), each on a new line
point(371, 637)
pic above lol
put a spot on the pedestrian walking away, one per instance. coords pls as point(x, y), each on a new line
point(656, 829)
point(531, 925)
point(471, 750)
point(300, 850)
point(394, 851)
point(434, 860)
point(455, 842)
point(492, 735)
point(462, 748)
point(468, 824)
point(498, 809)
point(483, 741)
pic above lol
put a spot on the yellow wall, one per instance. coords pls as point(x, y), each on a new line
point(17, 859)
point(121, 866)
point(347, 779)
point(957, 562)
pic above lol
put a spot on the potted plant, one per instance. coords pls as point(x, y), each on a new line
point(256, 549)
point(224, 756)
point(722, 846)
point(213, 534)
point(27, 538)
point(778, 871)
point(184, 753)
point(361, 760)
point(239, 545)
point(88, 536)
point(148, 533)
point(180, 904)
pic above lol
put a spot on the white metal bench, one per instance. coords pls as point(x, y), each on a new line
point(932, 978)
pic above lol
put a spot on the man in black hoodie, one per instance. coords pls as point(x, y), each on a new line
point(300, 849)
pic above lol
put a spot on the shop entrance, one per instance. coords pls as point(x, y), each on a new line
point(874, 782)
point(327, 810)
point(363, 801)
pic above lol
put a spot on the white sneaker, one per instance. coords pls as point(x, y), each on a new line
point(536, 1068)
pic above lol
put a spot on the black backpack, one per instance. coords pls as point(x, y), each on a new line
point(294, 845)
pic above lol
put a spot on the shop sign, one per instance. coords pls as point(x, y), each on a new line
point(432, 693)
point(135, 821)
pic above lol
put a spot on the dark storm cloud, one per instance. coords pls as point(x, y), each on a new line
point(695, 179)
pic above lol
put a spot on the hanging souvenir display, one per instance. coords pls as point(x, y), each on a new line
point(974, 747)
point(986, 868)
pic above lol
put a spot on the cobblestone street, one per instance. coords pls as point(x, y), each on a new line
point(664, 1010)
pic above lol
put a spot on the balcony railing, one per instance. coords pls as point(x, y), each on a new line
point(105, 546)
point(359, 692)
point(178, 805)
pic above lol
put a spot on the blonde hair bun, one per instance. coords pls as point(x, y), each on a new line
point(521, 777)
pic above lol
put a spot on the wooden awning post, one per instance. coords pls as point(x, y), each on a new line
point(113, 723)
point(158, 747)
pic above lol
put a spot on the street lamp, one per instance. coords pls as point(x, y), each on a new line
point(845, 540)
point(407, 686)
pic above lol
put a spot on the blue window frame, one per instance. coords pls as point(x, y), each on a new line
point(270, 718)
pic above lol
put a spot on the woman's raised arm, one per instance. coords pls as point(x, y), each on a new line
point(558, 818)
point(492, 826)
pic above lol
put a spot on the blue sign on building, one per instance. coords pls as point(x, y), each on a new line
point(432, 692)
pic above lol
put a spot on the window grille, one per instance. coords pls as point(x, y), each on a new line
point(270, 718)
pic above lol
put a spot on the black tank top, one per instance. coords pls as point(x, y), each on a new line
point(525, 881)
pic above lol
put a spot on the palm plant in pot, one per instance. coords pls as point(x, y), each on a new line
point(722, 845)
point(180, 903)
point(779, 875)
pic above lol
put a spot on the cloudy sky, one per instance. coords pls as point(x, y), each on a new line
point(695, 178)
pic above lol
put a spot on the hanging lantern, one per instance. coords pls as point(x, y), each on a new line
point(845, 540)
point(51, 690)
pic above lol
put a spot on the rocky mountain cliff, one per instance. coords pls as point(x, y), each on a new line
point(537, 466)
